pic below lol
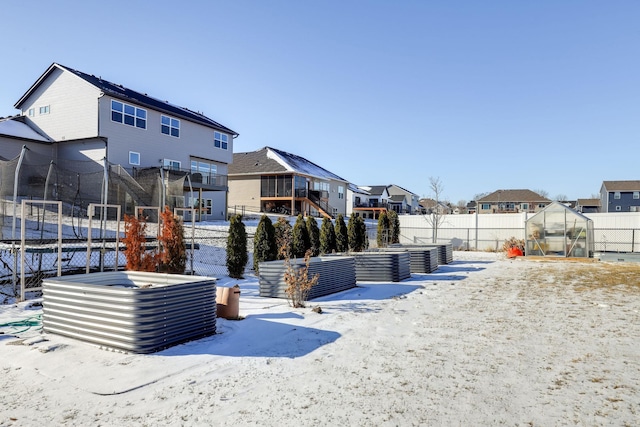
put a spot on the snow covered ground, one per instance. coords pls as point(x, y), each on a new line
point(481, 341)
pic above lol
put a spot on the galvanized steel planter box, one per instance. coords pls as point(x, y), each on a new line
point(382, 266)
point(445, 251)
point(335, 274)
point(423, 260)
point(130, 311)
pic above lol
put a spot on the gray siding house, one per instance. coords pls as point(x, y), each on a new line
point(620, 196)
point(85, 118)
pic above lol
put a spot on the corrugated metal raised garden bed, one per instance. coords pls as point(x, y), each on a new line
point(130, 311)
point(335, 274)
point(423, 260)
point(382, 266)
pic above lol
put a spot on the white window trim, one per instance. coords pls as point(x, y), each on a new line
point(616, 195)
point(134, 153)
point(171, 119)
point(45, 109)
point(135, 114)
point(169, 163)
point(224, 139)
point(636, 195)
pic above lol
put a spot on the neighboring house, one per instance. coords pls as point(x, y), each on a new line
point(511, 201)
point(471, 207)
point(272, 180)
point(356, 197)
point(83, 117)
point(620, 196)
point(588, 205)
point(429, 206)
point(376, 202)
point(402, 200)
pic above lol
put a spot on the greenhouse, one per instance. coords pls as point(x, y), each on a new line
point(559, 231)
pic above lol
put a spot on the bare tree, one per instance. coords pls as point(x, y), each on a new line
point(561, 198)
point(543, 193)
point(435, 217)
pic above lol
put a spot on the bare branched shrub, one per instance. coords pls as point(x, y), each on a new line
point(299, 284)
point(512, 242)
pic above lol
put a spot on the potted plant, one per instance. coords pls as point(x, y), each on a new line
point(513, 247)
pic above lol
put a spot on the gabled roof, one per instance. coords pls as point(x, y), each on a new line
point(397, 198)
point(621, 185)
point(375, 190)
point(588, 202)
point(125, 94)
point(269, 160)
point(403, 189)
point(17, 127)
point(502, 196)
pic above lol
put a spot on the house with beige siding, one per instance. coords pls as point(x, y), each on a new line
point(82, 117)
point(270, 180)
point(511, 201)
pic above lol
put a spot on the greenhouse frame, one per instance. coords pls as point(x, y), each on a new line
point(559, 231)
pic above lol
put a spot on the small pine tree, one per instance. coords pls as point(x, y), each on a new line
point(383, 230)
point(342, 238)
point(356, 233)
point(394, 224)
point(237, 256)
point(138, 259)
point(173, 251)
point(264, 242)
point(327, 237)
point(314, 236)
point(362, 226)
point(283, 238)
point(300, 238)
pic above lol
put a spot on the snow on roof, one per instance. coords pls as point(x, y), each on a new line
point(16, 127)
point(295, 163)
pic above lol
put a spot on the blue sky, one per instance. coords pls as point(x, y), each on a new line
point(484, 95)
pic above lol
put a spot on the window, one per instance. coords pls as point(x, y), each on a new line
point(321, 186)
point(221, 140)
point(204, 205)
point(171, 164)
point(486, 206)
point(207, 171)
point(32, 112)
point(541, 205)
point(340, 192)
point(618, 208)
point(616, 195)
point(44, 109)
point(524, 206)
point(170, 126)
point(134, 158)
point(636, 195)
point(128, 114)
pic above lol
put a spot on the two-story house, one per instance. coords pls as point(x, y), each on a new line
point(403, 201)
point(375, 201)
point(274, 181)
point(511, 201)
point(620, 196)
point(89, 118)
